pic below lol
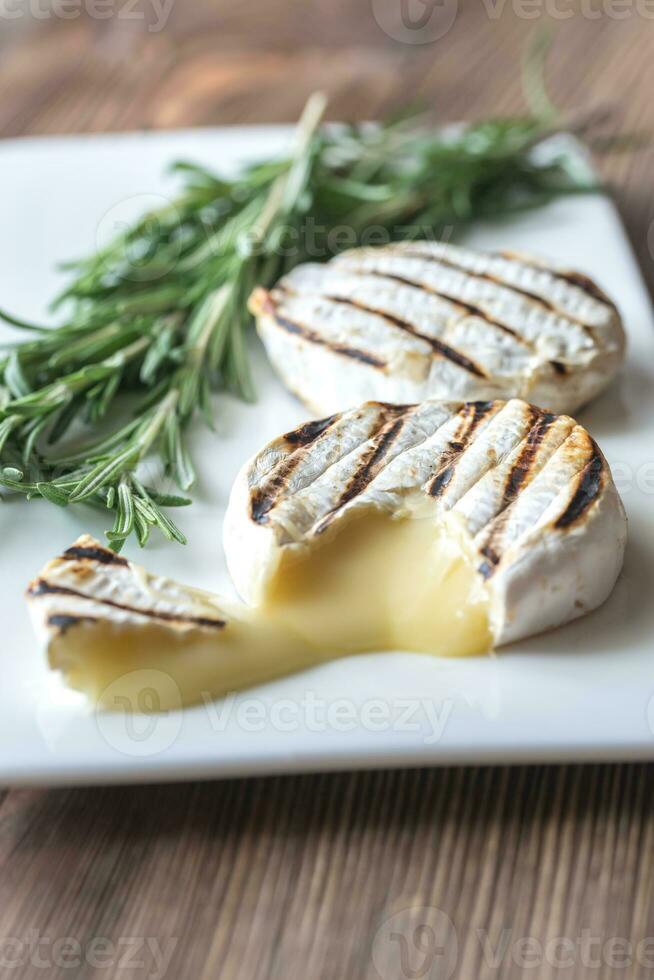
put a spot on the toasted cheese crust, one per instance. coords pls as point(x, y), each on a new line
point(531, 489)
point(89, 583)
point(418, 320)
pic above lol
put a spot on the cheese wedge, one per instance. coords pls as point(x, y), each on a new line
point(418, 320)
point(135, 641)
point(445, 528)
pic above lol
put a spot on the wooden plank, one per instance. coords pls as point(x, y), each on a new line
point(264, 878)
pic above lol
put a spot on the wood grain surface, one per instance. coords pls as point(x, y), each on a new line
point(471, 873)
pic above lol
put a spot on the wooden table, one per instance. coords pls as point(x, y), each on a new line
point(309, 877)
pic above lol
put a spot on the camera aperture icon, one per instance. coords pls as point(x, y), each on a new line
point(416, 944)
point(415, 21)
point(130, 716)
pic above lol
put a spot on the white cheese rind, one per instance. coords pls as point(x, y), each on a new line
point(419, 320)
point(531, 489)
point(89, 582)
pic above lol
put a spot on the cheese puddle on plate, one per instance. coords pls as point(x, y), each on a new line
point(115, 664)
point(374, 582)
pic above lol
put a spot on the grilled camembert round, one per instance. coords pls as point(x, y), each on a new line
point(418, 320)
point(453, 527)
point(446, 528)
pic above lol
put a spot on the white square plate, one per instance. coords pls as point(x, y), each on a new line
point(582, 692)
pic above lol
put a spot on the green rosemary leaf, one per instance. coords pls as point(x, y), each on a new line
point(204, 402)
point(15, 321)
point(64, 419)
point(104, 472)
point(168, 528)
point(151, 514)
point(159, 350)
point(53, 493)
point(7, 426)
point(169, 499)
point(14, 377)
point(142, 529)
point(94, 451)
point(33, 430)
point(100, 398)
point(179, 462)
point(125, 512)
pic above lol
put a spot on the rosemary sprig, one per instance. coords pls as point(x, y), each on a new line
point(161, 311)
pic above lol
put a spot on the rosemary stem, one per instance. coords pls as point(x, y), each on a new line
point(216, 304)
point(306, 128)
point(128, 353)
point(160, 414)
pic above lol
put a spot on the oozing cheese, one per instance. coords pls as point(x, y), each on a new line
point(375, 582)
point(151, 668)
point(381, 583)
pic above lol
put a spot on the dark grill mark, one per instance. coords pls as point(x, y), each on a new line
point(102, 555)
point(541, 301)
point(532, 297)
point(370, 464)
point(487, 277)
point(315, 338)
point(586, 285)
point(470, 308)
point(549, 307)
point(444, 350)
point(41, 587)
point(264, 498)
point(578, 279)
point(64, 623)
point(441, 480)
point(309, 432)
point(473, 413)
point(262, 501)
point(477, 311)
point(588, 488)
point(487, 568)
point(519, 475)
point(524, 464)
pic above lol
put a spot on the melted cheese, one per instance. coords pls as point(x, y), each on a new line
point(382, 583)
point(150, 668)
point(372, 582)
